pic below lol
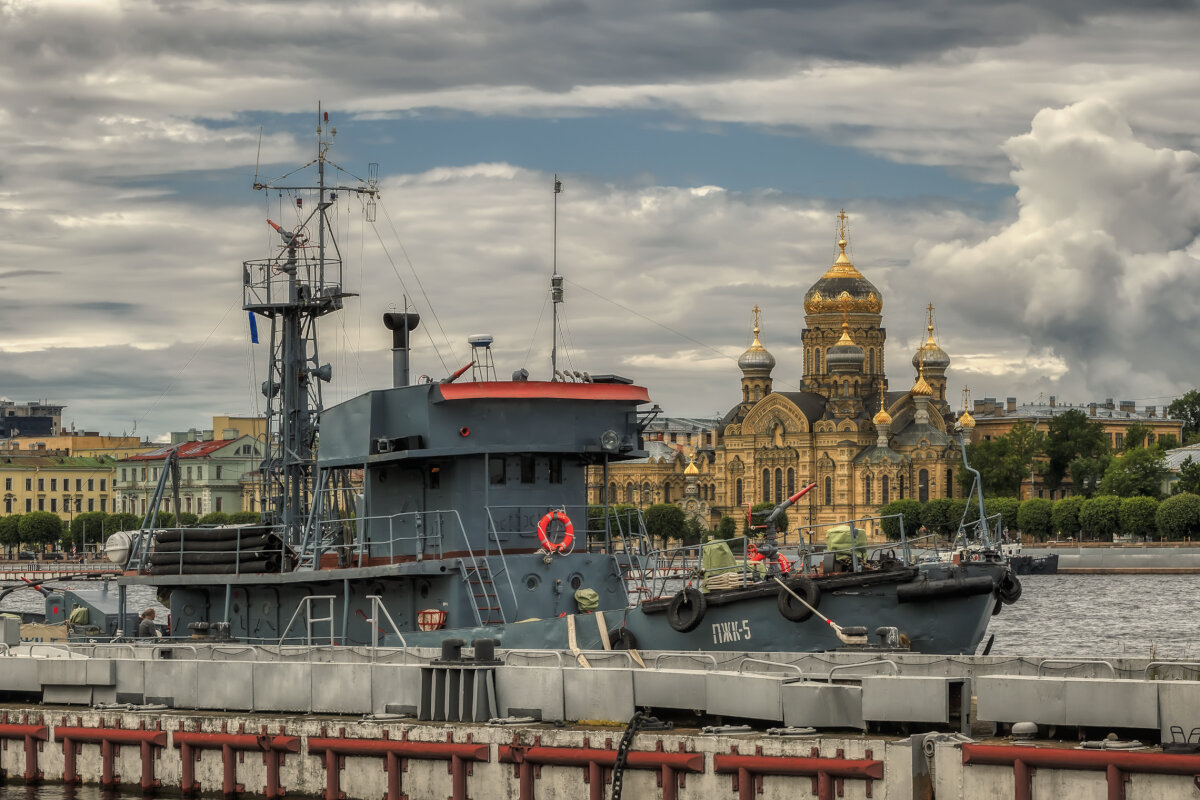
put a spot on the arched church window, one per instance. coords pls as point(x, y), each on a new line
point(738, 489)
point(900, 488)
point(883, 490)
point(766, 486)
point(867, 489)
point(828, 491)
point(923, 486)
point(816, 360)
point(845, 388)
point(949, 482)
point(612, 493)
point(778, 485)
point(629, 492)
point(666, 492)
point(745, 394)
point(791, 485)
point(872, 358)
point(646, 496)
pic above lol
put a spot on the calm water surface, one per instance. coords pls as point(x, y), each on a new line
point(1061, 616)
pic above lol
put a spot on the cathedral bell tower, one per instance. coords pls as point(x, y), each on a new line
point(756, 365)
point(842, 309)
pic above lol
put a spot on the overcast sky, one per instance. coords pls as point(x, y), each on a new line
point(1031, 169)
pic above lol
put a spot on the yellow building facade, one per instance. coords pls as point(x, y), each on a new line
point(61, 484)
point(862, 444)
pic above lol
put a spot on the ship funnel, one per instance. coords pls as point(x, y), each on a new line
point(401, 325)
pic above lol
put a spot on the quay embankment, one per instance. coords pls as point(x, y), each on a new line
point(1103, 558)
point(363, 723)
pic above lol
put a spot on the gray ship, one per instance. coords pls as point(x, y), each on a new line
point(457, 509)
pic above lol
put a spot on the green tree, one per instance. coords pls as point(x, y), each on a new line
point(1005, 461)
point(1065, 516)
point(187, 519)
point(123, 521)
point(1137, 516)
point(1100, 517)
point(1178, 516)
point(40, 528)
point(1087, 474)
point(909, 509)
point(243, 517)
point(1071, 436)
point(622, 521)
point(1167, 441)
point(664, 521)
point(87, 527)
point(221, 518)
point(938, 516)
point(1137, 472)
point(1034, 517)
point(10, 531)
point(693, 531)
point(1187, 408)
point(726, 528)
point(1189, 477)
point(1135, 436)
point(1007, 507)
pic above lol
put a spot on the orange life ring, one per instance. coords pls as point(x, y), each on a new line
point(568, 532)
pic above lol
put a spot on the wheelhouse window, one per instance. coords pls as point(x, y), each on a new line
point(556, 469)
point(527, 470)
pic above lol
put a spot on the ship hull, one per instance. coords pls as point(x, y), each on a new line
point(926, 604)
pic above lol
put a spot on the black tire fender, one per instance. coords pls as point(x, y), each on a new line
point(687, 609)
point(791, 608)
point(622, 639)
point(1009, 589)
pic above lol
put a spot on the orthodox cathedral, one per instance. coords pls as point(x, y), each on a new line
point(863, 444)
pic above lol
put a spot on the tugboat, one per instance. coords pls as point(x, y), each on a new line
point(457, 509)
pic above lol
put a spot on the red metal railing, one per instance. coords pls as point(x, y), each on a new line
point(273, 748)
point(32, 735)
point(1117, 764)
point(109, 740)
point(670, 766)
point(394, 751)
point(827, 773)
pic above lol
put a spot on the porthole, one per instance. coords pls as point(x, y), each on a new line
point(532, 582)
point(576, 581)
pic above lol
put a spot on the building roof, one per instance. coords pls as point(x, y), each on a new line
point(1047, 411)
point(22, 460)
point(1177, 456)
point(186, 450)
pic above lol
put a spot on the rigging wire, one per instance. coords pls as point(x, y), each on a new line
point(536, 328)
point(412, 268)
point(426, 328)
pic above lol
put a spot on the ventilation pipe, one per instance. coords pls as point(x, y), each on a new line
point(401, 324)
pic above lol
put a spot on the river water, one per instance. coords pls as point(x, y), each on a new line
point(1058, 616)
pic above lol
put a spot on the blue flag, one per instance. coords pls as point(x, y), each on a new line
point(253, 329)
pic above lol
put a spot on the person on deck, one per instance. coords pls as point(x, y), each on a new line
point(146, 628)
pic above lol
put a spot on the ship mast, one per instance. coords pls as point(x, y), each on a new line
point(556, 286)
point(301, 283)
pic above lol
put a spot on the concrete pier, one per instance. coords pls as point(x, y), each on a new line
point(336, 757)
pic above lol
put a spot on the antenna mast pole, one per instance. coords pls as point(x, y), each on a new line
point(293, 289)
point(556, 285)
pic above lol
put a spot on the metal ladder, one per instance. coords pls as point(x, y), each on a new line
point(488, 610)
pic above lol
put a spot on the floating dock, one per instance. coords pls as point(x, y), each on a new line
point(464, 723)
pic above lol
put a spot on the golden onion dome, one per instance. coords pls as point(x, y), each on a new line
point(882, 418)
point(756, 358)
point(921, 387)
point(967, 421)
point(691, 469)
point(842, 287)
